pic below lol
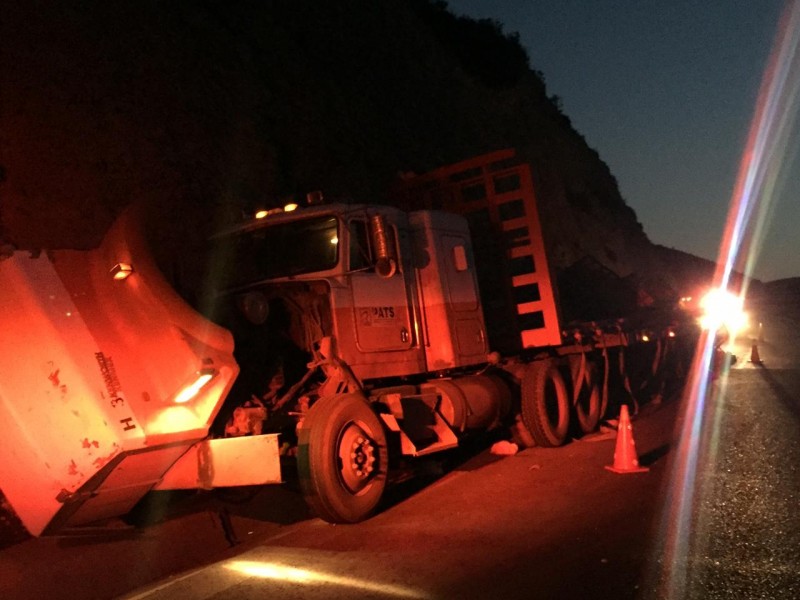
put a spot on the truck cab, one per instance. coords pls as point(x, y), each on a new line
point(394, 293)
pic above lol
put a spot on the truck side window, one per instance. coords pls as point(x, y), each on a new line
point(360, 254)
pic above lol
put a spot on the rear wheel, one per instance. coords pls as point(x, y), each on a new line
point(587, 404)
point(342, 458)
point(545, 403)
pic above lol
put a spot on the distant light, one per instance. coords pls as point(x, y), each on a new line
point(645, 337)
point(191, 390)
point(721, 309)
point(290, 207)
point(121, 271)
point(671, 334)
point(261, 213)
point(334, 240)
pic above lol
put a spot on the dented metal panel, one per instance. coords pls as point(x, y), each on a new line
point(90, 371)
point(117, 489)
point(57, 423)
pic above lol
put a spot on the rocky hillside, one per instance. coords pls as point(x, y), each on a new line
point(206, 109)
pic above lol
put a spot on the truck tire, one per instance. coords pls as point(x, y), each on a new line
point(545, 403)
point(587, 404)
point(342, 458)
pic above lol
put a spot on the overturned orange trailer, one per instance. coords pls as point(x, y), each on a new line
point(108, 385)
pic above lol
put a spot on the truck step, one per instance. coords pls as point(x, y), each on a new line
point(420, 446)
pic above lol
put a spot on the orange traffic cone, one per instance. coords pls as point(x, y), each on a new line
point(625, 459)
point(754, 357)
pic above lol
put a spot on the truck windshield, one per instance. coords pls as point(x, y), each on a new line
point(281, 250)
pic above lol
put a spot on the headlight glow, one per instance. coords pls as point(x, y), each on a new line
point(721, 309)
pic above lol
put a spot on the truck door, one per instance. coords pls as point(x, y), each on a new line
point(382, 317)
point(383, 320)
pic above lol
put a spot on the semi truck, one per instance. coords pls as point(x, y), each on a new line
point(339, 337)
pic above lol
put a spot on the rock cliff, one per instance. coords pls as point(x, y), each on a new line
point(208, 109)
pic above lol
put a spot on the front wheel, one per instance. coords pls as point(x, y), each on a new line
point(342, 458)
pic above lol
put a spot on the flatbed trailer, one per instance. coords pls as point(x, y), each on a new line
point(496, 193)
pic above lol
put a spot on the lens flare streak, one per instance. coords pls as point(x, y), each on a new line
point(765, 153)
point(767, 150)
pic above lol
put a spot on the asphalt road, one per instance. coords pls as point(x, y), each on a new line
point(715, 517)
point(744, 524)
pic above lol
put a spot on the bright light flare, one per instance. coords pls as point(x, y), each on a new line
point(261, 214)
point(722, 309)
point(770, 145)
point(191, 390)
point(279, 572)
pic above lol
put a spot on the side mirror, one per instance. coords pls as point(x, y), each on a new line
point(254, 306)
point(385, 248)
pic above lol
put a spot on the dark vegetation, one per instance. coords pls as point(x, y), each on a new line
point(481, 48)
point(206, 110)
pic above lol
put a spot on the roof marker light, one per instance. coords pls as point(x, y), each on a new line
point(260, 214)
point(290, 207)
point(121, 271)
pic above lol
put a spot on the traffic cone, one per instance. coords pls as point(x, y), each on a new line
point(625, 459)
point(754, 357)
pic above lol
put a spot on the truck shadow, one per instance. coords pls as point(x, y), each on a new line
point(649, 458)
point(416, 474)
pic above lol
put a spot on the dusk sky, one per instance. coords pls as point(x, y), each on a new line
point(666, 92)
